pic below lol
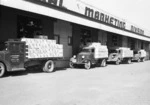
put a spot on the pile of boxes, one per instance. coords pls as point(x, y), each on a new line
point(126, 52)
point(43, 48)
point(101, 51)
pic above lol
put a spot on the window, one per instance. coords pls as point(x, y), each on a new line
point(69, 40)
point(57, 38)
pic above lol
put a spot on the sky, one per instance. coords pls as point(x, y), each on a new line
point(134, 11)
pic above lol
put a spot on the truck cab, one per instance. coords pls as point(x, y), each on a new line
point(139, 55)
point(12, 57)
point(114, 56)
point(87, 57)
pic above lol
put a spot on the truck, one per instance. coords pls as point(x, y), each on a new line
point(22, 53)
point(90, 55)
point(120, 54)
point(139, 55)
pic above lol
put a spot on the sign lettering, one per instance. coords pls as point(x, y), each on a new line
point(104, 18)
point(53, 2)
point(137, 30)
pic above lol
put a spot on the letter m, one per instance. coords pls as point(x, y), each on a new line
point(89, 12)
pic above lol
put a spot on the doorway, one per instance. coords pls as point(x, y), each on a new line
point(28, 26)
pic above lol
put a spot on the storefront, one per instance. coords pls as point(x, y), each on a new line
point(70, 22)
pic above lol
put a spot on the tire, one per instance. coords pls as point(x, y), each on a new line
point(49, 66)
point(103, 63)
point(139, 60)
point(117, 62)
point(71, 65)
point(87, 65)
point(2, 69)
point(128, 61)
point(142, 59)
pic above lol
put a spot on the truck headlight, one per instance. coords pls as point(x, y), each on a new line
point(74, 56)
point(83, 57)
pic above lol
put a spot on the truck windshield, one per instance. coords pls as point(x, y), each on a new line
point(112, 51)
point(135, 52)
point(86, 50)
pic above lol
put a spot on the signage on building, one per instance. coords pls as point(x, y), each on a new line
point(93, 13)
point(137, 30)
point(104, 18)
point(53, 2)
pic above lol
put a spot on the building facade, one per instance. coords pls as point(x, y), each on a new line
point(70, 22)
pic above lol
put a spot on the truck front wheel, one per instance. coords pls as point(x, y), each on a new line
point(49, 66)
point(2, 69)
point(103, 63)
point(87, 65)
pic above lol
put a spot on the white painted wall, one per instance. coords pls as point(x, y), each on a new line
point(64, 29)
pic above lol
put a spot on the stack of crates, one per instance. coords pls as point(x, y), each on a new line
point(43, 48)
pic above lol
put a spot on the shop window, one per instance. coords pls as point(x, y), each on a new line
point(69, 40)
point(28, 26)
point(57, 38)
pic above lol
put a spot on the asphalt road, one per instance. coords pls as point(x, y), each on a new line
point(125, 84)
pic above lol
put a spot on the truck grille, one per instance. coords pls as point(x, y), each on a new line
point(79, 58)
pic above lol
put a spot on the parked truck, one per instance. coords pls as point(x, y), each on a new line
point(120, 54)
point(20, 54)
point(93, 54)
point(139, 55)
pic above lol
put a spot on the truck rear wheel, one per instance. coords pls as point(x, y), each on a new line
point(49, 66)
point(129, 61)
point(103, 63)
point(71, 65)
point(117, 62)
point(87, 65)
point(142, 59)
point(2, 69)
point(139, 60)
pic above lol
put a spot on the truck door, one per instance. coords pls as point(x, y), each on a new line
point(16, 55)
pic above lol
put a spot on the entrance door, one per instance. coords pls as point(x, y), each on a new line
point(28, 26)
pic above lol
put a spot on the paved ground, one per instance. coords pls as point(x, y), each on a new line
point(125, 84)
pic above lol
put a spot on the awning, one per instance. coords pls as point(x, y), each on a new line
point(55, 13)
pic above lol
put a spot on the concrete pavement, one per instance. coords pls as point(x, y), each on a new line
point(125, 84)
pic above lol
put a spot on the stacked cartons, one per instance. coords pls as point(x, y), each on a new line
point(43, 48)
point(143, 53)
point(101, 51)
point(126, 52)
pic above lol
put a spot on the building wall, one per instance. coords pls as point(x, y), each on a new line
point(64, 30)
point(8, 24)
point(102, 37)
